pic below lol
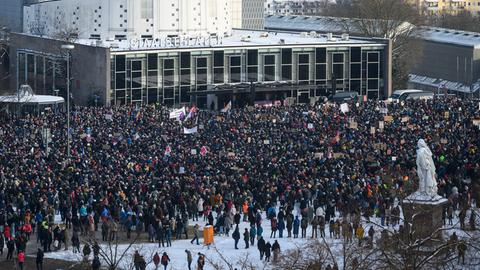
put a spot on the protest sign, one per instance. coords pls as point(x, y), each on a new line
point(175, 114)
point(353, 125)
point(388, 118)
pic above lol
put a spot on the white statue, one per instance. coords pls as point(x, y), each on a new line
point(426, 170)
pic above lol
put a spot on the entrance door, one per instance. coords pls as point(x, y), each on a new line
point(303, 97)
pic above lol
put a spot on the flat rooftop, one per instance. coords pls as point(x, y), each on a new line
point(323, 24)
point(451, 36)
point(242, 38)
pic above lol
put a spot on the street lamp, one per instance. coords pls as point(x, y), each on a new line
point(46, 137)
point(68, 47)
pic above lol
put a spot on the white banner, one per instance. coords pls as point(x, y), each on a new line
point(344, 108)
point(175, 114)
point(190, 130)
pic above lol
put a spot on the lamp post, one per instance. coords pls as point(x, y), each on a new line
point(46, 137)
point(68, 47)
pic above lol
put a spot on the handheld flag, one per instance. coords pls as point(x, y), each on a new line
point(227, 108)
point(203, 151)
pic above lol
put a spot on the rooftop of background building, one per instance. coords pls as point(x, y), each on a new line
point(325, 24)
point(451, 36)
point(311, 23)
point(244, 38)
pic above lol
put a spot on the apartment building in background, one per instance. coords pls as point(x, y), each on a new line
point(247, 14)
point(295, 7)
point(438, 7)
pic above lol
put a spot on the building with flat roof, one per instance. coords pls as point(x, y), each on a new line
point(325, 24)
point(241, 67)
point(180, 64)
point(450, 60)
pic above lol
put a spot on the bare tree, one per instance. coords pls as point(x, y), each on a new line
point(394, 250)
point(339, 8)
point(38, 25)
point(402, 250)
point(223, 263)
point(129, 260)
point(64, 29)
point(396, 20)
point(309, 256)
point(393, 19)
point(461, 21)
point(110, 251)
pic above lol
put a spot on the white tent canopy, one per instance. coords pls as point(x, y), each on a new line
point(26, 96)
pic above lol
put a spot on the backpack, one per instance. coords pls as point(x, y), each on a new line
point(164, 259)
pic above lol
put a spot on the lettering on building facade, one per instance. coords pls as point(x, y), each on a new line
point(176, 42)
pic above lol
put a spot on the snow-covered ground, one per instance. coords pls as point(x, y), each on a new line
point(223, 245)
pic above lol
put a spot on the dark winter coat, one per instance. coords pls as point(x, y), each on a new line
point(96, 263)
point(261, 244)
point(267, 249)
point(281, 225)
point(236, 234)
point(276, 246)
point(246, 236)
point(289, 222)
point(296, 226)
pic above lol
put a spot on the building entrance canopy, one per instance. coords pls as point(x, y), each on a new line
point(25, 95)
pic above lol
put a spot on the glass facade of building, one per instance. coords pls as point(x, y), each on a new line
point(182, 76)
point(177, 77)
point(44, 73)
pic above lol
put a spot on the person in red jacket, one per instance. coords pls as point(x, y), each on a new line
point(21, 259)
point(165, 260)
point(27, 228)
point(6, 232)
point(156, 260)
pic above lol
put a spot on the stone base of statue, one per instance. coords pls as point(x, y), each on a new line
point(424, 213)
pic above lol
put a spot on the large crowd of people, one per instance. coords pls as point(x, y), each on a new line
point(134, 170)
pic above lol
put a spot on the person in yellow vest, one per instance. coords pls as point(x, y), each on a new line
point(45, 224)
point(359, 234)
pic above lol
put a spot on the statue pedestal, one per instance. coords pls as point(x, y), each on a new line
point(424, 214)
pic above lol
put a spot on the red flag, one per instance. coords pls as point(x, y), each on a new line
point(194, 109)
point(203, 151)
